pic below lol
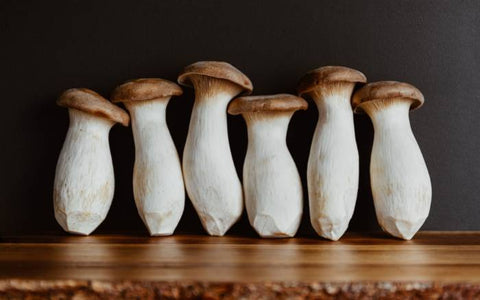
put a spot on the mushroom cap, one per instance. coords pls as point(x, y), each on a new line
point(215, 69)
point(90, 102)
point(144, 89)
point(326, 75)
point(387, 90)
point(274, 103)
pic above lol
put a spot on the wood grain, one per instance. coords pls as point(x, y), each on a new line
point(432, 257)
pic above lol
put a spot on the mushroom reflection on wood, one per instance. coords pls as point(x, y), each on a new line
point(272, 185)
point(399, 177)
point(210, 177)
point(84, 178)
point(333, 166)
point(157, 176)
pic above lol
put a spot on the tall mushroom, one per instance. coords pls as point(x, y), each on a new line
point(210, 177)
point(399, 177)
point(157, 175)
point(84, 179)
point(333, 165)
point(273, 189)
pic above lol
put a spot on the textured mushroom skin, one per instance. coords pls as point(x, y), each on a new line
point(333, 164)
point(273, 189)
point(399, 177)
point(84, 179)
point(210, 177)
point(157, 176)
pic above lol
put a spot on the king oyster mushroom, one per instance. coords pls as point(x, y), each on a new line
point(84, 179)
point(157, 175)
point(210, 177)
point(333, 166)
point(401, 186)
point(273, 189)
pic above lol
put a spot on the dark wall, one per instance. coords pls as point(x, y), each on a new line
point(49, 46)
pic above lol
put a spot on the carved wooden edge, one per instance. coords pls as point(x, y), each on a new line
point(65, 289)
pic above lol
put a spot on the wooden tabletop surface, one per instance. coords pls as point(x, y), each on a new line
point(431, 257)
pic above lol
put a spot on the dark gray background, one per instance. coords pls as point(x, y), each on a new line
point(49, 46)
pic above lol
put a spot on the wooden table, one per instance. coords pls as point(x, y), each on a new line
point(189, 266)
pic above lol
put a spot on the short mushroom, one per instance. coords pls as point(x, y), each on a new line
point(157, 175)
point(272, 185)
point(84, 179)
point(401, 186)
point(210, 177)
point(333, 166)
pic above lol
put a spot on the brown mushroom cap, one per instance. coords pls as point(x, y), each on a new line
point(275, 103)
point(90, 102)
point(215, 69)
point(145, 89)
point(326, 75)
point(387, 90)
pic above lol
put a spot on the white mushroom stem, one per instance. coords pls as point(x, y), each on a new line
point(333, 166)
point(273, 189)
point(157, 176)
point(84, 179)
point(399, 177)
point(210, 177)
